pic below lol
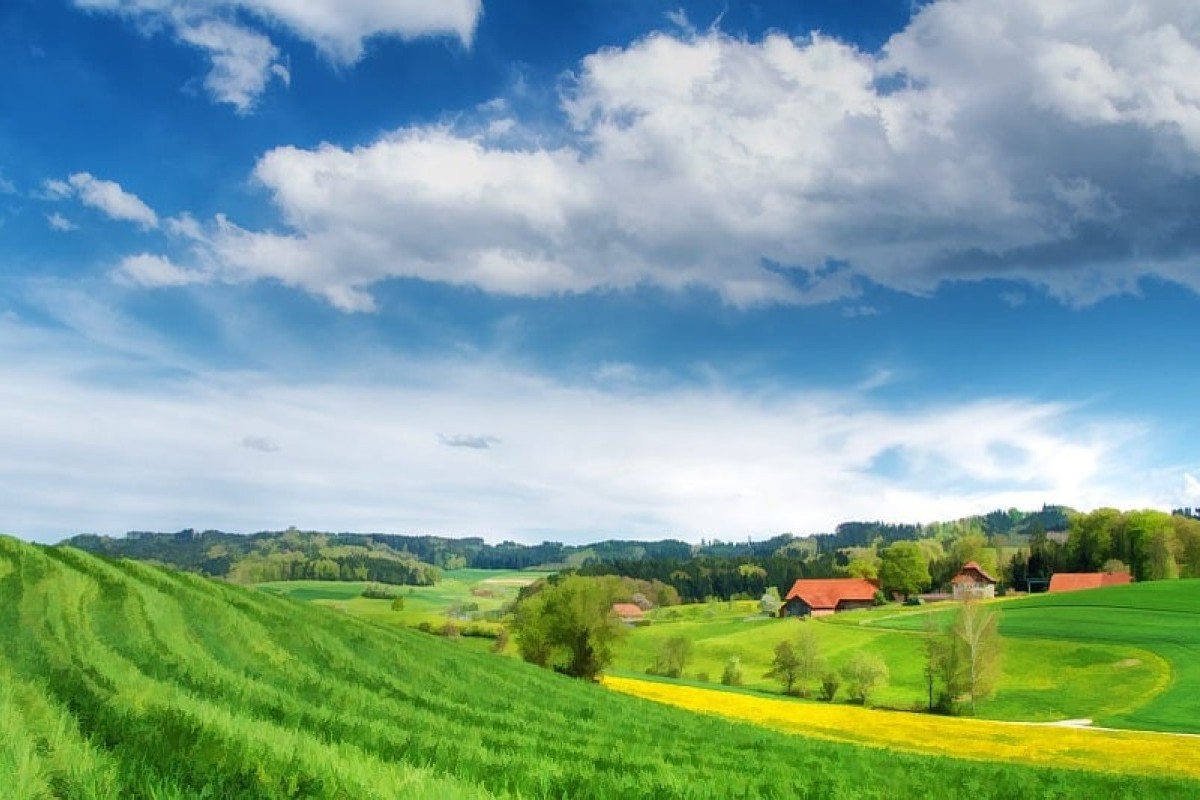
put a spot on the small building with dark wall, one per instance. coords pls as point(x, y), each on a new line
point(972, 583)
point(818, 597)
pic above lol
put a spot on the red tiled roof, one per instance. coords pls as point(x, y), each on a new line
point(1074, 581)
point(968, 567)
point(828, 592)
point(627, 610)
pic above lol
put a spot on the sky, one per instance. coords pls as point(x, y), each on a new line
point(602, 269)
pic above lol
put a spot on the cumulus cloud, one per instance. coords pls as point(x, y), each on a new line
point(244, 59)
point(696, 461)
point(107, 197)
point(243, 62)
point(1046, 143)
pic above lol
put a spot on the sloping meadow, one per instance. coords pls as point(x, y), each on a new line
point(122, 680)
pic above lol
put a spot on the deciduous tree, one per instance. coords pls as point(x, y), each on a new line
point(903, 568)
point(570, 625)
point(785, 666)
point(864, 673)
point(977, 627)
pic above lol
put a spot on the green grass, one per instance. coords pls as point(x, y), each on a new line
point(121, 680)
point(489, 589)
point(1042, 679)
point(1160, 619)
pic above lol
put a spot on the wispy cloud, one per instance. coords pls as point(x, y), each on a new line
point(469, 441)
point(105, 196)
point(244, 61)
point(682, 461)
point(60, 223)
point(262, 444)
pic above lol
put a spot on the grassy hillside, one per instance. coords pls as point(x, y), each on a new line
point(1162, 618)
point(122, 680)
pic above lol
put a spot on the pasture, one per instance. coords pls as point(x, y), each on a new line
point(123, 680)
point(1161, 619)
point(1044, 678)
point(478, 591)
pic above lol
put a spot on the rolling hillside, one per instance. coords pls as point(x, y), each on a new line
point(119, 679)
point(1161, 617)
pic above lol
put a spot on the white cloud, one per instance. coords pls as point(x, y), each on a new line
point(106, 197)
point(244, 59)
point(1191, 490)
point(54, 189)
point(151, 271)
point(577, 461)
point(243, 62)
point(60, 223)
point(1049, 143)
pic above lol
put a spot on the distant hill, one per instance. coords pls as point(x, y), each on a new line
point(269, 556)
point(408, 559)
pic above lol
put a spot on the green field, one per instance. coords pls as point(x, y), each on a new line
point(488, 590)
point(122, 680)
point(1160, 619)
point(1043, 679)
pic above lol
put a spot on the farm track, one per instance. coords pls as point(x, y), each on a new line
point(121, 680)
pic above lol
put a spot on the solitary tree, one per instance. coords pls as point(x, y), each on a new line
point(770, 602)
point(808, 658)
point(864, 673)
point(785, 666)
point(672, 657)
point(976, 627)
point(570, 625)
point(732, 676)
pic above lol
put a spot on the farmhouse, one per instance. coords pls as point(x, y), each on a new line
point(823, 596)
point(1074, 581)
point(972, 583)
point(628, 612)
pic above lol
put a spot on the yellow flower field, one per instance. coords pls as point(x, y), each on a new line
point(1133, 752)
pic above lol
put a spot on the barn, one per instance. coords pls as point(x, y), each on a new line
point(819, 597)
point(1075, 581)
point(972, 583)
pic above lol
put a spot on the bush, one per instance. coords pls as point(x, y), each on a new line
point(501, 641)
point(829, 686)
point(398, 603)
point(703, 677)
point(377, 591)
point(732, 676)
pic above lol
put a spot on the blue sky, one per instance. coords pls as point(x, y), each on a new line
point(577, 270)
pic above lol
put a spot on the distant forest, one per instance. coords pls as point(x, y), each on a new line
point(1021, 549)
point(711, 568)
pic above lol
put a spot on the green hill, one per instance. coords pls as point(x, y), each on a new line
point(1162, 617)
point(121, 680)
